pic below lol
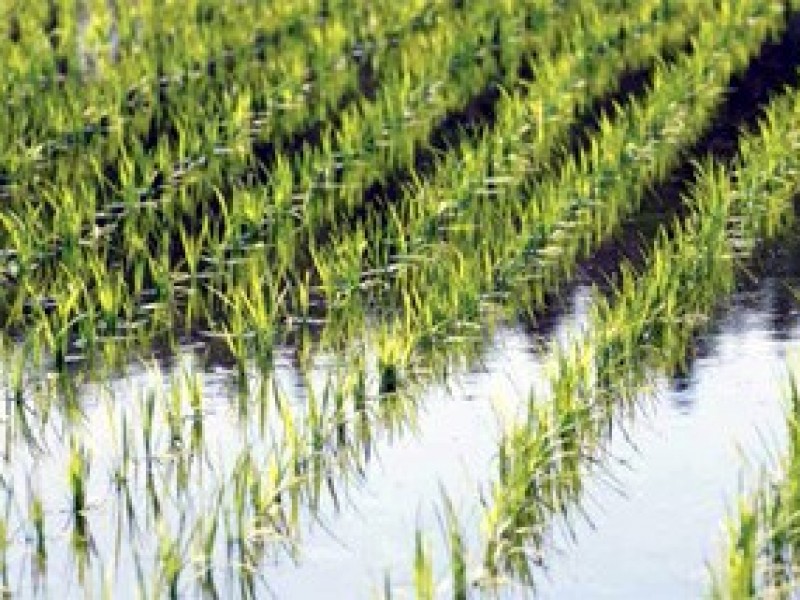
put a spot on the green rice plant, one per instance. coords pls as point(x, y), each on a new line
point(424, 584)
point(38, 519)
point(741, 564)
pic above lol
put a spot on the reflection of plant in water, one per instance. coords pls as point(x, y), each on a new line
point(5, 542)
point(78, 473)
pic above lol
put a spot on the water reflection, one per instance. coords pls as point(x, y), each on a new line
point(130, 483)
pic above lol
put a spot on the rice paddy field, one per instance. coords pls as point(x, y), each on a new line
point(423, 299)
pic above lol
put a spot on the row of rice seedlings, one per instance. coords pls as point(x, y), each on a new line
point(534, 121)
point(122, 164)
point(596, 19)
point(94, 264)
point(335, 175)
point(568, 213)
point(646, 327)
point(320, 204)
point(67, 214)
point(315, 69)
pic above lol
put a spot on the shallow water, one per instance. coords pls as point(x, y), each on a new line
point(679, 464)
point(449, 441)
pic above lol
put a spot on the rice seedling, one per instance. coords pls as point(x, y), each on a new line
point(424, 585)
point(228, 243)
